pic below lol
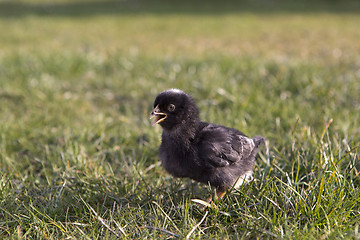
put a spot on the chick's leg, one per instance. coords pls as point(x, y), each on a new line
point(220, 195)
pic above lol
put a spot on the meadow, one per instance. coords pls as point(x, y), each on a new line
point(78, 154)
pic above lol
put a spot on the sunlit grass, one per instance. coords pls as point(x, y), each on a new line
point(78, 155)
point(325, 37)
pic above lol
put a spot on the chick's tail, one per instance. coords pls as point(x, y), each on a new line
point(258, 140)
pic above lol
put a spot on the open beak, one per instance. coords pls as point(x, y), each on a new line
point(159, 116)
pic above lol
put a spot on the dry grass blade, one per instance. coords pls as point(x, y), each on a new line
point(167, 216)
point(162, 230)
point(202, 202)
point(196, 226)
point(102, 221)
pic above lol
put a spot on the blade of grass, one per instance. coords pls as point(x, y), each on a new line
point(101, 220)
point(196, 226)
point(167, 216)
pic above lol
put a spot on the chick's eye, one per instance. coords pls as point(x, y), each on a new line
point(171, 107)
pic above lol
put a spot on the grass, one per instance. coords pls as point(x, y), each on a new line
point(78, 155)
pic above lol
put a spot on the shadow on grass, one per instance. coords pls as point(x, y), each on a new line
point(212, 7)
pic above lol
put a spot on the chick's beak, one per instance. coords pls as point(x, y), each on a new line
point(158, 115)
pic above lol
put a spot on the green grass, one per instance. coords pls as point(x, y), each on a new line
point(78, 155)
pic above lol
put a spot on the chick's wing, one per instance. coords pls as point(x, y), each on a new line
point(221, 146)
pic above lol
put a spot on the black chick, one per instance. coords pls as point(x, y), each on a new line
point(205, 152)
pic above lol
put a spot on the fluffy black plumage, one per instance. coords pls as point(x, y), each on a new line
point(212, 154)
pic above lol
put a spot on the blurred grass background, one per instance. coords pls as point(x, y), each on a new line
point(78, 155)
